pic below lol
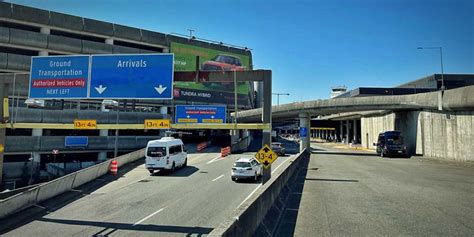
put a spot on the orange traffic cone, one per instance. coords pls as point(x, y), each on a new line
point(114, 167)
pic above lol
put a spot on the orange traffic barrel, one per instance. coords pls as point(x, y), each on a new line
point(114, 167)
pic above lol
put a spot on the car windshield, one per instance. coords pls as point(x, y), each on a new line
point(242, 164)
point(394, 139)
point(224, 59)
point(156, 151)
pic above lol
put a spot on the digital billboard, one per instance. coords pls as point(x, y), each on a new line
point(211, 60)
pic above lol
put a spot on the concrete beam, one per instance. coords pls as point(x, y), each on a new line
point(455, 99)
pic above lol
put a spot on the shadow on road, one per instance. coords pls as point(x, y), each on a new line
point(334, 180)
point(42, 209)
point(337, 153)
point(180, 172)
point(127, 226)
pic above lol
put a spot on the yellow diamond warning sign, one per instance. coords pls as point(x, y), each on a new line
point(266, 156)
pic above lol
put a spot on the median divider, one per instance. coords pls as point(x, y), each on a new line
point(87, 175)
point(60, 185)
point(55, 187)
point(245, 220)
point(18, 202)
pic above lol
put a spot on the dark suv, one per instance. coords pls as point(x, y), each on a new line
point(391, 143)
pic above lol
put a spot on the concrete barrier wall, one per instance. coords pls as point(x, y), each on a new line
point(447, 135)
point(104, 168)
point(18, 202)
point(60, 185)
point(85, 176)
point(246, 219)
point(55, 187)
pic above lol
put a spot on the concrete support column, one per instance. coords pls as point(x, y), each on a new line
point(109, 41)
point(356, 136)
point(103, 155)
point(347, 132)
point(259, 93)
point(341, 130)
point(164, 112)
point(45, 30)
point(37, 132)
point(3, 94)
point(304, 123)
point(166, 50)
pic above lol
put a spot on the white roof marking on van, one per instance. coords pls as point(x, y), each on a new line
point(164, 142)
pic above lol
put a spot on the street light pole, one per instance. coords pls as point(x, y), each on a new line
point(278, 96)
point(441, 59)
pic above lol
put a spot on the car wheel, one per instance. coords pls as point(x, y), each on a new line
point(233, 178)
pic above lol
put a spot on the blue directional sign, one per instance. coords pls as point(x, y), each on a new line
point(200, 114)
point(76, 141)
point(137, 76)
point(59, 77)
point(303, 132)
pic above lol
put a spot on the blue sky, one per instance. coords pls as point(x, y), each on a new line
point(312, 45)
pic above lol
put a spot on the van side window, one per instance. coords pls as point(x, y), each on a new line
point(176, 149)
point(179, 149)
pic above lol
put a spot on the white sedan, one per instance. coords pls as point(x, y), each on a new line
point(246, 168)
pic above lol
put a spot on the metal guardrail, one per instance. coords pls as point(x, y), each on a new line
point(60, 185)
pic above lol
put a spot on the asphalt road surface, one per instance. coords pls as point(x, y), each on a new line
point(351, 193)
point(191, 202)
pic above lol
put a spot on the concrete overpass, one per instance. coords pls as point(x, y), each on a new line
point(407, 108)
point(455, 99)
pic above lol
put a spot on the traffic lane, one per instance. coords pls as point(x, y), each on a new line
point(207, 206)
point(107, 202)
point(354, 194)
point(114, 208)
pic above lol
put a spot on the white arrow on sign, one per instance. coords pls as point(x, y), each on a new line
point(212, 116)
point(188, 116)
point(100, 89)
point(160, 89)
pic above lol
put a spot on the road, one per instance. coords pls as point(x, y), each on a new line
point(352, 193)
point(191, 201)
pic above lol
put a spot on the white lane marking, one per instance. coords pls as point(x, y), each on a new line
point(256, 188)
point(213, 160)
point(144, 219)
point(273, 171)
point(217, 178)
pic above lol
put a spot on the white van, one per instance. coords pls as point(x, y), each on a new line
point(168, 153)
